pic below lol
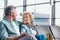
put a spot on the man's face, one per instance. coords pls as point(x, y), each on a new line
point(13, 13)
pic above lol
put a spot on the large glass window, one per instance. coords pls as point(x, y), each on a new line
point(41, 19)
point(30, 8)
point(31, 2)
point(19, 12)
point(41, 1)
point(57, 0)
point(1, 3)
point(43, 9)
point(45, 13)
point(57, 21)
point(41, 12)
point(15, 2)
point(36, 1)
point(1, 9)
point(1, 14)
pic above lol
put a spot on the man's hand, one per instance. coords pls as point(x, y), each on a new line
point(23, 34)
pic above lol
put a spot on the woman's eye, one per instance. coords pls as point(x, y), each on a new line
point(26, 17)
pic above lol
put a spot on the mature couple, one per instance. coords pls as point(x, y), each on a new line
point(11, 29)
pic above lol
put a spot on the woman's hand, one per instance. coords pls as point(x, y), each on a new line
point(35, 26)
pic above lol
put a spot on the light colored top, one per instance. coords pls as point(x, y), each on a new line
point(16, 28)
point(7, 28)
point(33, 31)
point(26, 28)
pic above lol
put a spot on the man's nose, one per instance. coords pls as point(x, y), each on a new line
point(16, 14)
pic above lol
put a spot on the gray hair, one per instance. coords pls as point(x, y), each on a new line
point(8, 10)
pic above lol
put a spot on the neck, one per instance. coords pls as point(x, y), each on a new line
point(10, 18)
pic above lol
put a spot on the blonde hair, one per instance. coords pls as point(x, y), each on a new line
point(30, 15)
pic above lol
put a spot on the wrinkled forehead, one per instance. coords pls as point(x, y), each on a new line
point(13, 10)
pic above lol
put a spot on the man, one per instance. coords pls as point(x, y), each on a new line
point(9, 27)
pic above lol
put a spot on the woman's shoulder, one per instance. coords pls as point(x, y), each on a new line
point(25, 26)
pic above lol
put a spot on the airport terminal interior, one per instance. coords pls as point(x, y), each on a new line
point(46, 14)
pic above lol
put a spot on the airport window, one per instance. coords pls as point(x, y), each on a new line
point(36, 1)
point(1, 3)
point(19, 10)
point(41, 19)
point(19, 13)
point(57, 15)
point(43, 9)
point(30, 2)
point(41, 1)
point(57, 0)
point(15, 2)
point(57, 10)
point(40, 9)
point(1, 14)
point(35, 6)
point(30, 8)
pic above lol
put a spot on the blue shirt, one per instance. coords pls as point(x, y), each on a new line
point(6, 29)
point(25, 28)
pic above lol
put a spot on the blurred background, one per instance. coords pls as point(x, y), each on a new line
point(45, 12)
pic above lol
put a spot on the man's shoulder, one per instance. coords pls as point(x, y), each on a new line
point(1, 24)
point(19, 22)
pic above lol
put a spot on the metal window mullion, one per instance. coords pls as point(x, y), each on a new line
point(24, 5)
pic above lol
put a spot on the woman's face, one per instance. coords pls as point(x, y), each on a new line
point(26, 19)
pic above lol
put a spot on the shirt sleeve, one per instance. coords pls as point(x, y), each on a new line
point(22, 29)
point(3, 32)
point(33, 31)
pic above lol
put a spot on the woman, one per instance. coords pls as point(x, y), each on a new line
point(28, 27)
